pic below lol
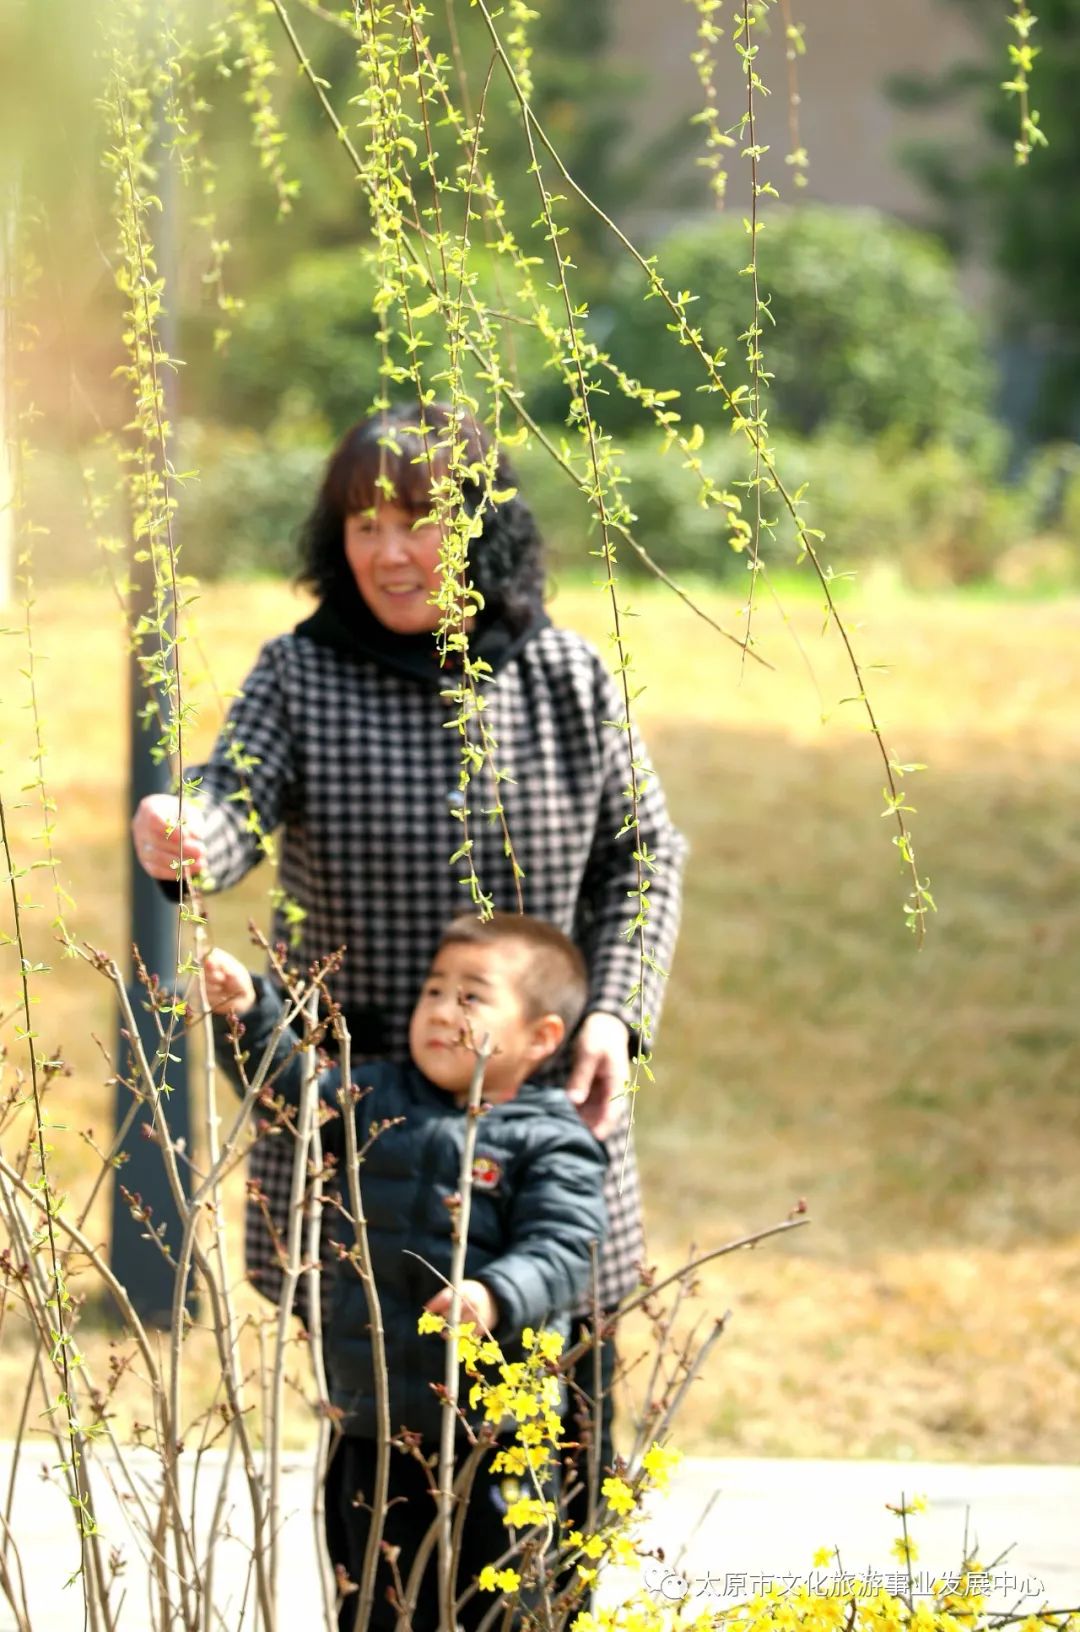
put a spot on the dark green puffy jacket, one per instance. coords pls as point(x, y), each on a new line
point(536, 1209)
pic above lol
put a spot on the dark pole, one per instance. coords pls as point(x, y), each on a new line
point(137, 1262)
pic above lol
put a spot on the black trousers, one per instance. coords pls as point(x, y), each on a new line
point(410, 1511)
point(580, 1424)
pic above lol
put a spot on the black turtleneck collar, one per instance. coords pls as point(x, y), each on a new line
point(345, 622)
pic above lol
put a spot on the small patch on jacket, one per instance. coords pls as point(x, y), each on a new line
point(486, 1173)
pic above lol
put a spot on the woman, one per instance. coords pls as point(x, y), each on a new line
point(339, 740)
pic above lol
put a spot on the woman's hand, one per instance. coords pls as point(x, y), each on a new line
point(600, 1069)
point(477, 1305)
point(161, 844)
point(229, 986)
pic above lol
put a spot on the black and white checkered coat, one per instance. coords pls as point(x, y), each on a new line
point(356, 766)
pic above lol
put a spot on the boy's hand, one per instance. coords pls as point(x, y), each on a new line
point(229, 986)
point(477, 1305)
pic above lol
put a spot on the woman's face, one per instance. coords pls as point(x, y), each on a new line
point(396, 566)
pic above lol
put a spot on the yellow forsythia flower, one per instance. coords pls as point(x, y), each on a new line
point(550, 1345)
point(620, 1497)
point(823, 1556)
point(492, 1580)
point(621, 1549)
point(467, 1347)
point(528, 1510)
point(430, 1323)
point(658, 1464)
point(511, 1460)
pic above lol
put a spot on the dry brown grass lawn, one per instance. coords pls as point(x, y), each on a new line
point(924, 1103)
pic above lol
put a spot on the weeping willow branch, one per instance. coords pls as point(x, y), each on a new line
point(920, 901)
point(795, 38)
point(502, 389)
point(1022, 56)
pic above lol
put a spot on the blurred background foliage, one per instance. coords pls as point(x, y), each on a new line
point(868, 329)
point(1023, 221)
point(886, 383)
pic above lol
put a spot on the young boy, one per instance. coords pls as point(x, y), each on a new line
point(536, 1210)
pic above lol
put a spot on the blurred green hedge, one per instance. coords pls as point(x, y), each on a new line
point(939, 514)
point(871, 334)
point(306, 350)
point(878, 405)
point(869, 331)
point(239, 517)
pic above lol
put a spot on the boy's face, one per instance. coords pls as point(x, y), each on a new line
point(473, 992)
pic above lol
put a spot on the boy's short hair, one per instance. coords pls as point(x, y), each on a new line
point(554, 979)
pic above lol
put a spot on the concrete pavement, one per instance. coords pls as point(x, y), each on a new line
point(724, 1526)
point(727, 1526)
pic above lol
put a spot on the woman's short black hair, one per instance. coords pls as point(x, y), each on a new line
point(402, 446)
